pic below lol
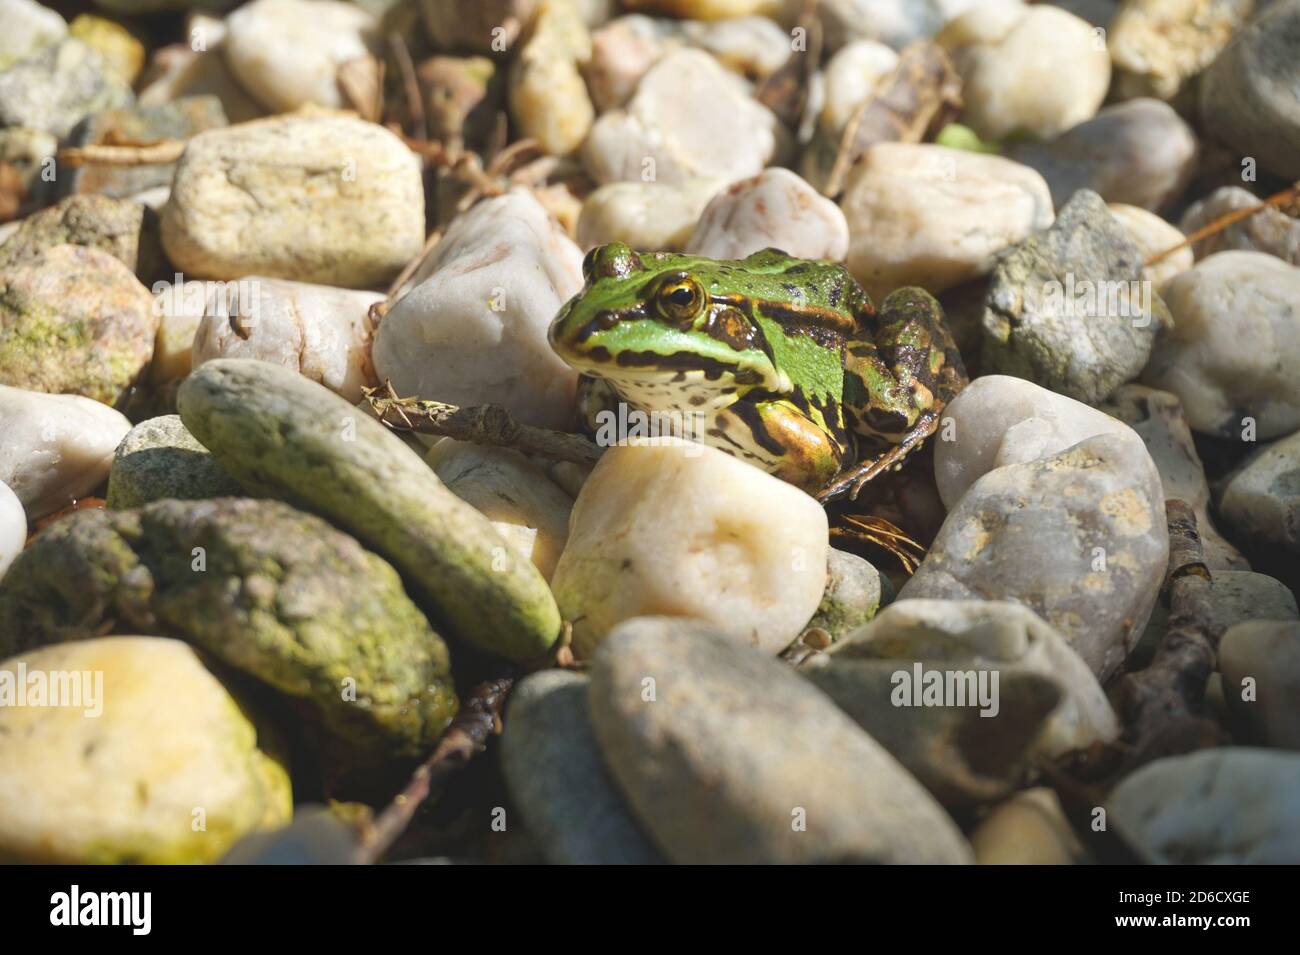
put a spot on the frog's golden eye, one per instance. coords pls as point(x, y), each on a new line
point(681, 298)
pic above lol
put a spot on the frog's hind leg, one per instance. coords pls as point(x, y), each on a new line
point(905, 372)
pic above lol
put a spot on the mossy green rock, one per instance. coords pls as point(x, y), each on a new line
point(124, 229)
point(262, 587)
point(285, 436)
point(159, 459)
point(156, 762)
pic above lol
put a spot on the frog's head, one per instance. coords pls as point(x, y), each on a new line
point(645, 317)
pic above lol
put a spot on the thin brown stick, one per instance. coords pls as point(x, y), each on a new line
point(479, 719)
point(410, 85)
point(152, 154)
point(482, 424)
point(1278, 199)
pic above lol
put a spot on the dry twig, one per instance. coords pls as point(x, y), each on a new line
point(151, 154)
point(1286, 200)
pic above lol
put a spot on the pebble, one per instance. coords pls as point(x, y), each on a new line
point(775, 209)
point(1079, 537)
point(180, 307)
point(1009, 57)
point(1230, 805)
point(548, 97)
point(855, 590)
point(1067, 307)
point(321, 332)
point(1158, 419)
point(159, 459)
point(129, 785)
point(527, 509)
point(648, 216)
point(472, 330)
point(462, 95)
point(622, 51)
point(326, 199)
point(179, 119)
point(650, 535)
point(29, 28)
point(13, 527)
point(1139, 152)
point(1248, 94)
point(1045, 702)
point(706, 9)
point(123, 54)
point(1270, 230)
point(727, 757)
point(56, 448)
point(553, 768)
point(754, 47)
point(74, 320)
point(57, 87)
point(484, 26)
point(895, 23)
point(280, 434)
point(1156, 46)
point(287, 53)
point(1212, 359)
point(124, 229)
point(920, 214)
point(1260, 500)
point(181, 71)
point(1267, 653)
point(1153, 235)
point(267, 590)
point(685, 105)
point(1030, 828)
point(851, 77)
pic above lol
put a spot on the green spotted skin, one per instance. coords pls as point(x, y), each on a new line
point(782, 362)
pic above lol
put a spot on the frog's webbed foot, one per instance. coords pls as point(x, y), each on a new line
point(851, 480)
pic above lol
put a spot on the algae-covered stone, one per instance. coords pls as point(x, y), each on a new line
point(854, 592)
point(283, 435)
point(264, 588)
point(123, 773)
point(159, 459)
point(126, 230)
point(74, 320)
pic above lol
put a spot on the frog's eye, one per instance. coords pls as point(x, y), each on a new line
point(680, 298)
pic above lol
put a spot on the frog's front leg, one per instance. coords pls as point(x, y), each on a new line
point(897, 382)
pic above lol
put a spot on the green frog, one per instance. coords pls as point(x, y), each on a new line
point(783, 362)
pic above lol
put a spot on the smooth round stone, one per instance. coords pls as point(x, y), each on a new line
point(1030, 828)
point(325, 199)
point(182, 71)
point(1230, 805)
point(124, 229)
point(1157, 45)
point(553, 767)
point(1212, 358)
point(472, 329)
point(282, 435)
point(13, 527)
point(1266, 653)
point(647, 216)
point(1269, 230)
point(287, 52)
point(1248, 95)
point(548, 97)
point(622, 51)
point(55, 448)
point(56, 88)
point(1260, 500)
point(966, 634)
point(74, 320)
point(728, 757)
point(29, 27)
point(159, 459)
point(170, 770)
point(1010, 60)
point(650, 534)
point(1067, 307)
point(892, 22)
point(1158, 419)
point(270, 591)
point(317, 836)
point(1153, 235)
point(854, 592)
point(684, 107)
point(320, 332)
point(180, 307)
point(1139, 152)
point(775, 209)
point(123, 53)
point(851, 77)
point(920, 214)
point(526, 508)
point(1079, 537)
point(754, 47)
point(998, 420)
